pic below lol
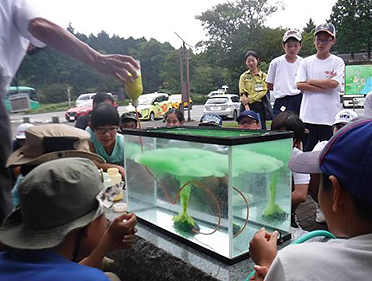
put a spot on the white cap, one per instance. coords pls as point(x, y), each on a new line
point(21, 130)
point(292, 33)
point(345, 116)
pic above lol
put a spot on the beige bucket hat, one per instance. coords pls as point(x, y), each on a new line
point(54, 141)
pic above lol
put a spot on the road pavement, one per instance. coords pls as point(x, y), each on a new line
point(44, 118)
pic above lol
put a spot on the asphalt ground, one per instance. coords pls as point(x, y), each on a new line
point(306, 216)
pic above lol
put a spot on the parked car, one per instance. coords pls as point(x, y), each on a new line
point(151, 106)
point(177, 99)
point(85, 100)
point(226, 105)
point(75, 112)
point(84, 105)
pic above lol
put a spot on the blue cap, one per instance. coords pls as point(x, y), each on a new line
point(347, 156)
point(210, 119)
point(249, 113)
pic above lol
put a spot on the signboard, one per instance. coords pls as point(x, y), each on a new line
point(19, 102)
point(358, 79)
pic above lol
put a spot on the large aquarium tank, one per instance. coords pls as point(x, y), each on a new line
point(211, 188)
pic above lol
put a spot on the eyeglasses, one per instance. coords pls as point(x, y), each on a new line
point(324, 41)
point(103, 130)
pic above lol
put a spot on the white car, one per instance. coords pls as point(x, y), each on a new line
point(85, 99)
point(226, 105)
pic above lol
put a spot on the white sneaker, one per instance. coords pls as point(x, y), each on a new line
point(319, 216)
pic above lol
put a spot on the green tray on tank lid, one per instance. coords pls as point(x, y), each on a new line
point(214, 135)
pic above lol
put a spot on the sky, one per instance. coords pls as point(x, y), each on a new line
point(159, 19)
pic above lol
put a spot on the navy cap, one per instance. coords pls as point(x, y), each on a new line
point(210, 119)
point(249, 113)
point(347, 156)
point(326, 27)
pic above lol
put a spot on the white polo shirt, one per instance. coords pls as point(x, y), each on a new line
point(15, 16)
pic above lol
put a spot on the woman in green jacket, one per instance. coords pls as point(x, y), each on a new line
point(252, 87)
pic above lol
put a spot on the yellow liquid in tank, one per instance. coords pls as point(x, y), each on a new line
point(134, 89)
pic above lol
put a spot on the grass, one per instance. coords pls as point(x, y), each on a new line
point(43, 108)
point(230, 124)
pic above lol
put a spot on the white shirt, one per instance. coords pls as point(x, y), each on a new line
point(337, 259)
point(15, 16)
point(299, 178)
point(320, 107)
point(320, 145)
point(282, 74)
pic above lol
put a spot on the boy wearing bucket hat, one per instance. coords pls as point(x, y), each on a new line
point(17, 143)
point(320, 77)
point(345, 195)
point(59, 220)
point(49, 142)
point(128, 120)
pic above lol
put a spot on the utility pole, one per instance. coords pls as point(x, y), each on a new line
point(69, 95)
point(185, 81)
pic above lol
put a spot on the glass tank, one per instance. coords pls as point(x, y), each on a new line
point(211, 188)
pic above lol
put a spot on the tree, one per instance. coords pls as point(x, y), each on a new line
point(310, 26)
point(353, 21)
point(233, 28)
point(49, 71)
point(242, 16)
point(307, 48)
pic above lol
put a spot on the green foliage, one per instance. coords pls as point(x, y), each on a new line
point(198, 98)
point(310, 26)
point(353, 21)
point(232, 28)
point(308, 47)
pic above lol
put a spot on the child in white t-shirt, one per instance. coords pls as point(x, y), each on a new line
point(346, 198)
point(282, 73)
point(319, 78)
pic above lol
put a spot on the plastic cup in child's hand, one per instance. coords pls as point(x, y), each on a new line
point(120, 207)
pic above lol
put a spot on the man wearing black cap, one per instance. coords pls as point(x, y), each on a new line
point(319, 78)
